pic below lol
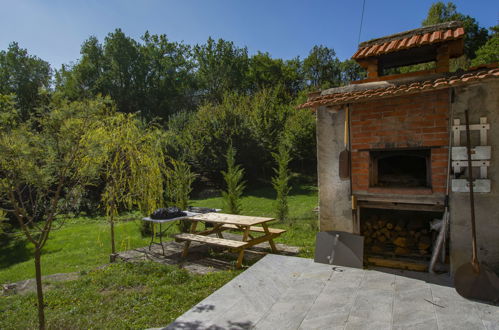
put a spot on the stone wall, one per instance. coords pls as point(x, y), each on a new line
point(482, 100)
point(334, 194)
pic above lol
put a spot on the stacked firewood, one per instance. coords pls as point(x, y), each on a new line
point(401, 237)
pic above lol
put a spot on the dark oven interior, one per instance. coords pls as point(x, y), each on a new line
point(400, 168)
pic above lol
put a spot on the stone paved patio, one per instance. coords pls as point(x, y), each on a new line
point(282, 292)
point(202, 258)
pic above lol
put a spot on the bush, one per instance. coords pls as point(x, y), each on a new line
point(280, 181)
point(235, 185)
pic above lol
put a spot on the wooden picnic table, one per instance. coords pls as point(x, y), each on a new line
point(222, 222)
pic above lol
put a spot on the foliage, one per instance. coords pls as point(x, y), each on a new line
point(488, 53)
point(322, 68)
point(299, 132)
point(24, 76)
point(119, 296)
point(253, 124)
point(280, 181)
point(351, 71)
point(153, 77)
point(179, 182)
point(221, 67)
point(234, 182)
point(131, 166)
point(476, 36)
point(42, 159)
point(265, 72)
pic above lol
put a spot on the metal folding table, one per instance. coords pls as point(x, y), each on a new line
point(161, 222)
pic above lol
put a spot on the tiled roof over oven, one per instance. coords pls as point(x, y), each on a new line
point(394, 89)
point(414, 38)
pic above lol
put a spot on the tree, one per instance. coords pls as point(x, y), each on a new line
point(280, 181)
point(154, 77)
point(351, 71)
point(321, 68)
point(44, 159)
point(234, 180)
point(267, 73)
point(180, 178)
point(131, 167)
point(488, 53)
point(179, 182)
point(476, 36)
point(24, 76)
point(221, 67)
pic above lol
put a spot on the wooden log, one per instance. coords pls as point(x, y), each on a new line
point(402, 250)
point(424, 242)
point(376, 248)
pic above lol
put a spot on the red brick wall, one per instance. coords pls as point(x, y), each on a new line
point(414, 121)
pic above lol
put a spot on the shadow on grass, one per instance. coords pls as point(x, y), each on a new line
point(14, 252)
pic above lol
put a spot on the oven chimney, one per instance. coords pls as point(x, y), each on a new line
point(437, 44)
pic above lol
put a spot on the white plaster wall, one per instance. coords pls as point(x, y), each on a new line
point(334, 194)
point(482, 100)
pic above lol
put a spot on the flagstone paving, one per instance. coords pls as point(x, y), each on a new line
point(283, 292)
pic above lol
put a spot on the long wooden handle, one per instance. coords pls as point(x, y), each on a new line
point(474, 260)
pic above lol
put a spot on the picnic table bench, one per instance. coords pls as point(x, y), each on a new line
point(222, 222)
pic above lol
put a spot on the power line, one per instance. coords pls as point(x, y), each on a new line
point(361, 20)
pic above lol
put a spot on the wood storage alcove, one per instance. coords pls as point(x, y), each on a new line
point(398, 237)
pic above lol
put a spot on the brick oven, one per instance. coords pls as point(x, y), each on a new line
point(403, 132)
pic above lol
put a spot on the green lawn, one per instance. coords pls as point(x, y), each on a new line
point(125, 295)
point(121, 296)
point(84, 243)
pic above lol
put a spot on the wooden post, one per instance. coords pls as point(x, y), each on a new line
point(271, 241)
point(241, 253)
point(188, 243)
point(443, 59)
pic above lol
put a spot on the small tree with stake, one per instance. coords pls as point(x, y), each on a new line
point(180, 178)
point(44, 159)
point(234, 180)
point(132, 167)
point(280, 181)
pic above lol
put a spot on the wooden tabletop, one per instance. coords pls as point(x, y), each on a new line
point(234, 219)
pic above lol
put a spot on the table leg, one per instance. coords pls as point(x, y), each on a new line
point(188, 243)
point(241, 253)
point(152, 236)
point(161, 238)
point(271, 241)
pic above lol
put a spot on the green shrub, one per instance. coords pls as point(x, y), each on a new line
point(235, 185)
point(280, 181)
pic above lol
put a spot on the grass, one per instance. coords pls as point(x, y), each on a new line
point(80, 244)
point(130, 295)
point(121, 296)
point(84, 243)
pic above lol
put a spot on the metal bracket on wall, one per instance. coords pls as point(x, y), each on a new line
point(480, 156)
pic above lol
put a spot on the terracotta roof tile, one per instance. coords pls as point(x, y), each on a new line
point(434, 84)
point(382, 46)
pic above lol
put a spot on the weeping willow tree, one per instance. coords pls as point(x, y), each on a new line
point(43, 161)
point(132, 167)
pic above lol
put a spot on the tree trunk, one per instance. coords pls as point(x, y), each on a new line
point(39, 290)
point(113, 248)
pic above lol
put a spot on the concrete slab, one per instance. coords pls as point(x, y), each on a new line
point(283, 292)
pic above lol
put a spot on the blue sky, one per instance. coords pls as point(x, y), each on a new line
point(54, 29)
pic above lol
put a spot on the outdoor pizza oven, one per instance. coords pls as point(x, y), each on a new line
point(397, 130)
